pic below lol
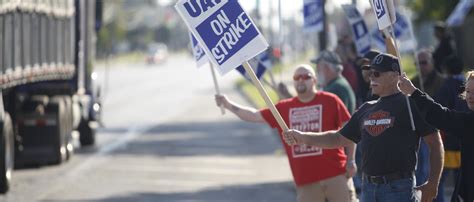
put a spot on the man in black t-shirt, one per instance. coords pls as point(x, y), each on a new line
point(389, 146)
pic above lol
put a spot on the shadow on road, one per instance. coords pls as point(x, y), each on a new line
point(204, 138)
point(280, 192)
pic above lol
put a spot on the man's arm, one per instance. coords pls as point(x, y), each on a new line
point(245, 113)
point(351, 168)
point(328, 139)
point(430, 189)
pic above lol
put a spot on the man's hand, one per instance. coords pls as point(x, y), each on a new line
point(221, 100)
point(405, 85)
point(428, 191)
point(293, 137)
point(351, 168)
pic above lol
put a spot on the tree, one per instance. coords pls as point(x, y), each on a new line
point(429, 10)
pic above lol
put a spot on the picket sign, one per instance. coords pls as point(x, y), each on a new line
point(313, 13)
point(260, 64)
point(384, 10)
point(228, 36)
point(359, 29)
point(198, 52)
point(456, 18)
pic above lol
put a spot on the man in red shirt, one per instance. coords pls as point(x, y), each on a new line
point(319, 174)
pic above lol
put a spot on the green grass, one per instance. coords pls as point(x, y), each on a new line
point(252, 93)
point(408, 65)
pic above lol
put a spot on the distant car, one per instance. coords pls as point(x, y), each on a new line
point(157, 54)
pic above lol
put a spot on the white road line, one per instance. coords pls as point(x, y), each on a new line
point(95, 159)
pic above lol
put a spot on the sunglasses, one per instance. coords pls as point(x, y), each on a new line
point(423, 62)
point(375, 74)
point(302, 76)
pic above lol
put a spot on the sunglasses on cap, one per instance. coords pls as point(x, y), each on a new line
point(375, 74)
point(302, 76)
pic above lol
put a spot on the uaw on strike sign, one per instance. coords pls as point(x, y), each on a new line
point(224, 30)
point(385, 12)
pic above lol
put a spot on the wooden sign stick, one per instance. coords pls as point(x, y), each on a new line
point(216, 85)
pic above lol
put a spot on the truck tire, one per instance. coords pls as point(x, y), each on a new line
point(86, 134)
point(59, 144)
point(6, 154)
point(69, 126)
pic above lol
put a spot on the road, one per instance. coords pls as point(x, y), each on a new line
point(165, 140)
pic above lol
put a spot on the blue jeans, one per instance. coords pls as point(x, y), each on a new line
point(395, 191)
point(423, 166)
point(423, 170)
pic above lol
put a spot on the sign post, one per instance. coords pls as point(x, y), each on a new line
point(228, 36)
point(216, 85)
point(385, 13)
point(201, 60)
point(265, 96)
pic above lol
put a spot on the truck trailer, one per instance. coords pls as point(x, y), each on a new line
point(46, 61)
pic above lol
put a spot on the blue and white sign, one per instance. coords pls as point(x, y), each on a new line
point(457, 16)
point(198, 52)
point(403, 33)
point(384, 11)
point(225, 32)
point(259, 64)
point(360, 33)
point(313, 12)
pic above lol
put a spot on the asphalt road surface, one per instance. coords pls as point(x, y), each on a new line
point(165, 140)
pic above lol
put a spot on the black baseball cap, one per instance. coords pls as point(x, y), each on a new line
point(328, 56)
point(384, 63)
point(371, 54)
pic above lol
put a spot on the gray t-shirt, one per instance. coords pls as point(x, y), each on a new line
point(383, 132)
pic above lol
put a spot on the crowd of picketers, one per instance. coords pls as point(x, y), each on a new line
point(361, 130)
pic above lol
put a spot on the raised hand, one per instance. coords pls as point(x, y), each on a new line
point(405, 84)
point(221, 100)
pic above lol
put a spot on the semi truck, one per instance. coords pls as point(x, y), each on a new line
point(46, 61)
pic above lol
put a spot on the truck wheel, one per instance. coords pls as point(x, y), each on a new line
point(69, 119)
point(6, 154)
point(86, 134)
point(59, 144)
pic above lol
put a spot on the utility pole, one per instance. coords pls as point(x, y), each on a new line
point(323, 34)
point(280, 28)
